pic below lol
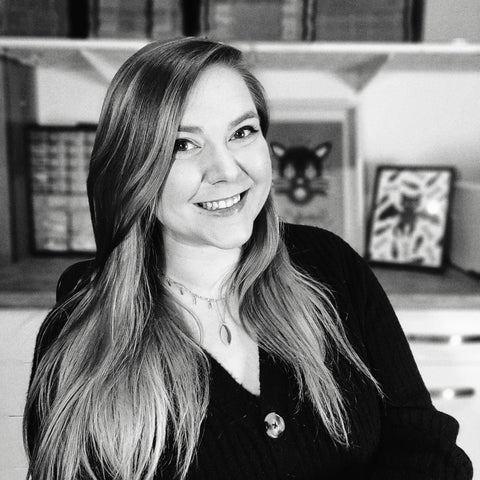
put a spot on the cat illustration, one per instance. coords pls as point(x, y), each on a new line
point(408, 215)
point(300, 171)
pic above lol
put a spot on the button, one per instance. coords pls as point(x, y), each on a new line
point(274, 425)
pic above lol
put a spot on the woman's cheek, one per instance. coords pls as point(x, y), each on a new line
point(259, 160)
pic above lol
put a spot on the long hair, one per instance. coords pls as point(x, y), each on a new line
point(123, 389)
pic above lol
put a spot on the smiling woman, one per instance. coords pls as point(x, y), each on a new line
point(206, 339)
point(221, 174)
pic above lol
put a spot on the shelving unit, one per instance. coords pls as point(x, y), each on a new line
point(354, 63)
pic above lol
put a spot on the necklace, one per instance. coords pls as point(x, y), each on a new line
point(223, 332)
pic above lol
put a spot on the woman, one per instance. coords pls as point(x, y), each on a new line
point(206, 340)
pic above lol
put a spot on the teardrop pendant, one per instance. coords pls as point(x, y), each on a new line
point(225, 334)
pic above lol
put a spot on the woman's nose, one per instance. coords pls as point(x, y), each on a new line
point(222, 165)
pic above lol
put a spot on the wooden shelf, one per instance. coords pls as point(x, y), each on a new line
point(414, 289)
point(31, 283)
point(354, 63)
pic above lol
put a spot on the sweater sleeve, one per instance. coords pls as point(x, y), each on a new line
point(417, 441)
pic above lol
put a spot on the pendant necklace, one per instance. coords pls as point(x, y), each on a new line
point(223, 332)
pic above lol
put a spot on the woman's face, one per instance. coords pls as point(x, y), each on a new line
point(221, 174)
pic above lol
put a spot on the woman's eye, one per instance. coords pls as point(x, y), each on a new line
point(244, 132)
point(183, 145)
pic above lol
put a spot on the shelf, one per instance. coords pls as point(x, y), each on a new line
point(31, 283)
point(101, 56)
point(415, 289)
point(354, 63)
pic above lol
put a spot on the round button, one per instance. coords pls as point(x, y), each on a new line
point(274, 425)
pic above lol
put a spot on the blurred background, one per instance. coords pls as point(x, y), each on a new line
point(363, 93)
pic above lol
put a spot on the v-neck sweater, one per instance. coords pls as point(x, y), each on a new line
point(397, 436)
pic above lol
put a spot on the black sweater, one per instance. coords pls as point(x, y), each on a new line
point(399, 437)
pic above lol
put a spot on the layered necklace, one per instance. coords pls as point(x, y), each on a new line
point(224, 331)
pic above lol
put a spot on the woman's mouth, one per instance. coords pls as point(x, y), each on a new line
point(221, 204)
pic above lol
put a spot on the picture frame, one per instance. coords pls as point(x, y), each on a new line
point(317, 175)
point(409, 218)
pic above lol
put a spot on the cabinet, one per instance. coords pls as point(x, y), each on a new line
point(440, 315)
point(444, 342)
point(446, 346)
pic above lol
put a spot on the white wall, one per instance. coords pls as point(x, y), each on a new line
point(19, 329)
point(425, 118)
point(68, 97)
point(406, 117)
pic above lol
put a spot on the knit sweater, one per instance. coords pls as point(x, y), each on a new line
point(400, 436)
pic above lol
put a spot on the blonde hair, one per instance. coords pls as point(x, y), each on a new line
point(124, 382)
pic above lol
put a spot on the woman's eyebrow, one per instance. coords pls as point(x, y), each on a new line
point(241, 118)
point(245, 116)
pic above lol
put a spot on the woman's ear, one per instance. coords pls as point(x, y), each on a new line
point(278, 149)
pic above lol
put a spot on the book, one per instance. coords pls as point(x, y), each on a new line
point(120, 18)
point(41, 18)
point(253, 20)
point(362, 21)
point(166, 19)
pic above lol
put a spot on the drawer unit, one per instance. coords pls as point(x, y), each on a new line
point(446, 346)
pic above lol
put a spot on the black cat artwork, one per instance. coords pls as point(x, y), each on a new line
point(407, 216)
point(300, 171)
point(408, 222)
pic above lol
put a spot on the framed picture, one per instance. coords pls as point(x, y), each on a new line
point(409, 216)
point(316, 170)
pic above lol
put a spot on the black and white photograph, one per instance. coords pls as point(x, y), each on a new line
point(239, 240)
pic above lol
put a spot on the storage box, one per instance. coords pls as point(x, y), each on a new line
point(465, 251)
point(58, 159)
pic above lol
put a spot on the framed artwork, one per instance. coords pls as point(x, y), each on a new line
point(409, 216)
point(316, 171)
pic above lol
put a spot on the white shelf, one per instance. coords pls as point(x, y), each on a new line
point(54, 43)
point(354, 63)
point(103, 56)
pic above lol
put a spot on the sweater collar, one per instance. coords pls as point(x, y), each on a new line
point(276, 392)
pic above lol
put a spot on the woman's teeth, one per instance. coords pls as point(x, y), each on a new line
point(219, 204)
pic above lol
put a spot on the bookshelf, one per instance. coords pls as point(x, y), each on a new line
point(354, 64)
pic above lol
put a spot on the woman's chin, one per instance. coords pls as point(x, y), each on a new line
point(232, 238)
